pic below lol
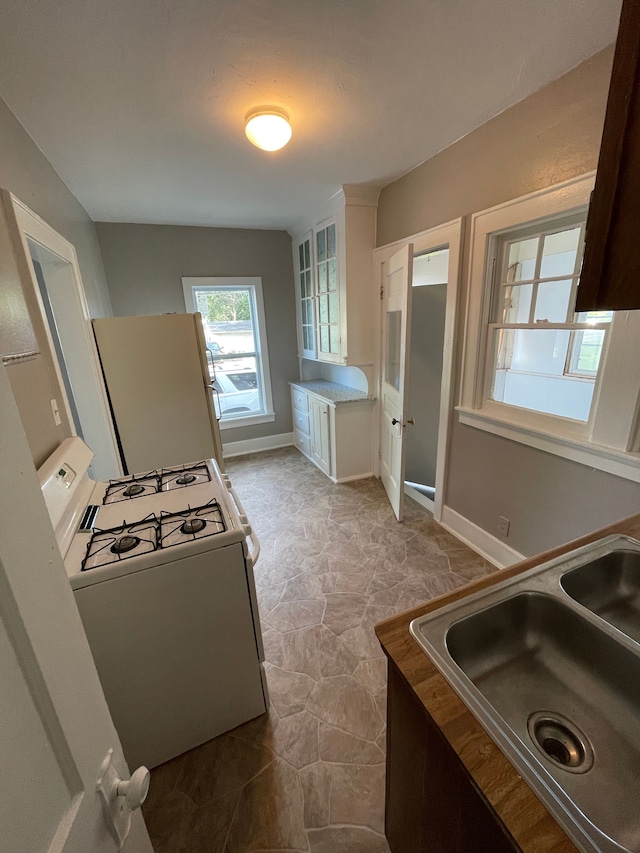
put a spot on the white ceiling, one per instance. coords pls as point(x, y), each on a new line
point(139, 104)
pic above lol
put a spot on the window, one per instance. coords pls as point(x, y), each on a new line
point(534, 370)
point(234, 329)
point(544, 356)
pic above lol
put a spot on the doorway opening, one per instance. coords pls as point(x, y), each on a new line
point(428, 314)
point(419, 277)
point(42, 259)
point(53, 287)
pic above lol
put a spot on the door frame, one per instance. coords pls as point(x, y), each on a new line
point(451, 234)
point(26, 225)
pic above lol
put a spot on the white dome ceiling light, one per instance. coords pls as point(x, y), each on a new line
point(268, 128)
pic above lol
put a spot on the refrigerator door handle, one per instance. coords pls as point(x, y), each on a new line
point(216, 404)
point(212, 363)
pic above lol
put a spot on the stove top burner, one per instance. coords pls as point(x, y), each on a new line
point(124, 544)
point(155, 481)
point(187, 475)
point(120, 543)
point(186, 479)
point(132, 487)
point(193, 525)
point(133, 490)
point(152, 533)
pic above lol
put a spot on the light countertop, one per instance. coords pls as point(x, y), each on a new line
point(333, 392)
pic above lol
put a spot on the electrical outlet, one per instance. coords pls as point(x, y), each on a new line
point(56, 412)
point(503, 526)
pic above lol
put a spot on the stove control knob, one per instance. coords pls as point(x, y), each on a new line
point(135, 790)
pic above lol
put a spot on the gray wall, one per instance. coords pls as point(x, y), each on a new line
point(26, 173)
point(144, 265)
point(549, 137)
point(428, 308)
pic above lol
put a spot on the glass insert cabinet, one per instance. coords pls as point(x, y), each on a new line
point(334, 282)
point(318, 294)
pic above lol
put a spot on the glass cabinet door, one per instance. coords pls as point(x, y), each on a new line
point(327, 285)
point(306, 297)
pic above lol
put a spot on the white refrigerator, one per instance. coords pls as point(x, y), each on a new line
point(156, 370)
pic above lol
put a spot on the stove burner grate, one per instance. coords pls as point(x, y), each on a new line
point(132, 487)
point(119, 543)
point(186, 475)
point(191, 524)
point(155, 481)
point(153, 533)
point(124, 544)
point(133, 490)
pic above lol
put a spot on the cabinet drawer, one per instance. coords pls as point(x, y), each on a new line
point(300, 400)
point(301, 421)
point(303, 442)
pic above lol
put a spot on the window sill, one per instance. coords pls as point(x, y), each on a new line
point(617, 462)
point(249, 420)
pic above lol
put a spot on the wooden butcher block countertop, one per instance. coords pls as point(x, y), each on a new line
point(528, 821)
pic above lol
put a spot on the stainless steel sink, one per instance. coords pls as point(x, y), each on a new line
point(610, 587)
point(557, 686)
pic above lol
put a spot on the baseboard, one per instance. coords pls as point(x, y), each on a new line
point(352, 478)
point(256, 445)
point(488, 546)
point(419, 498)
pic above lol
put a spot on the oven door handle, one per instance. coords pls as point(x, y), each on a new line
point(254, 551)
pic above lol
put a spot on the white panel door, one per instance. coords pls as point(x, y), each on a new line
point(55, 727)
point(396, 325)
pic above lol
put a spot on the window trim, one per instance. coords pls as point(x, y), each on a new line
point(606, 443)
point(255, 282)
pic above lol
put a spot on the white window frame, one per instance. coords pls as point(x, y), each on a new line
point(609, 440)
point(262, 354)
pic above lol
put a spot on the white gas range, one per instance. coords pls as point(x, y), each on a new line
point(161, 565)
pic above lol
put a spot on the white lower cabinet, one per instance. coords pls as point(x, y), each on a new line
point(337, 437)
point(320, 433)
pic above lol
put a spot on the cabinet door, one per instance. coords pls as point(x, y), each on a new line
point(611, 267)
point(432, 804)
point(327, 289)
point(305, 295)
point(320, 438)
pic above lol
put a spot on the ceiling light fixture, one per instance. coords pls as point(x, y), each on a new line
point(268, 128)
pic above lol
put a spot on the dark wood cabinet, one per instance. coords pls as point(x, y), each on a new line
point(433, 805)
point(611, 270)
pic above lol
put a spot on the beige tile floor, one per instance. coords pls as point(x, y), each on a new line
point(309, 774)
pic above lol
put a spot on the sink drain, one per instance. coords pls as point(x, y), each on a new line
point(561, 741)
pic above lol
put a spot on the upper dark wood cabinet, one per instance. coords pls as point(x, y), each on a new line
point(611, 270)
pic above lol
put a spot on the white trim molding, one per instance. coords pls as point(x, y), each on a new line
point(257, 445)
point(608, 440)
point(34, 239)
point(490, 547)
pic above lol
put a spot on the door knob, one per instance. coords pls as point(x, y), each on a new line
point(135, 790)
point(120, 796)
point(394, 421)
point(412, 421)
